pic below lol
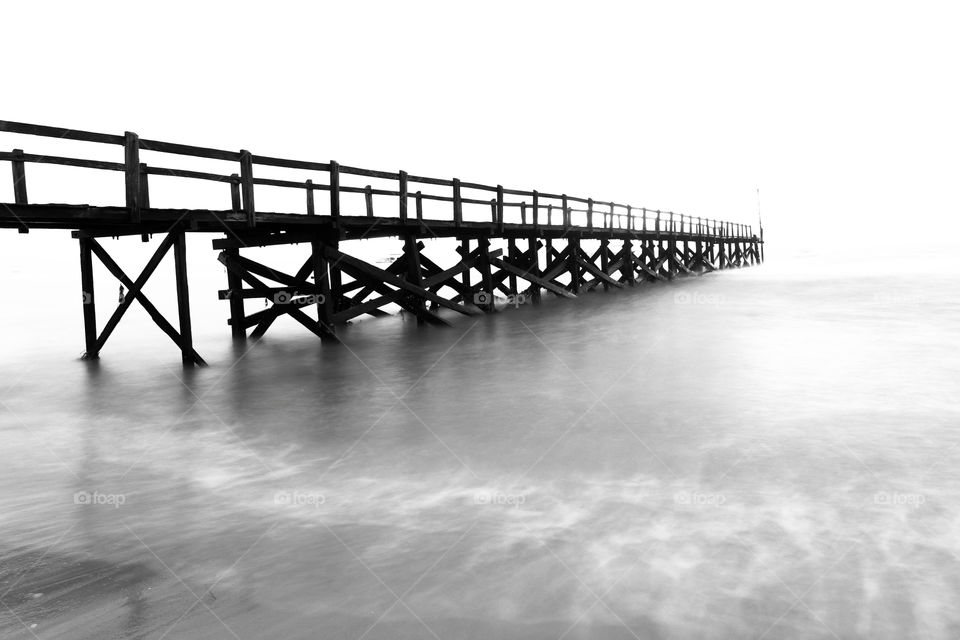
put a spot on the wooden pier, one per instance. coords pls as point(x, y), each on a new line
point(554, 243)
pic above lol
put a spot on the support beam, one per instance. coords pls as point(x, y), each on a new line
point(91, 351)
point(183, 297)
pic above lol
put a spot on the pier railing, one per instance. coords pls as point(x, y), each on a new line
point(407, 192)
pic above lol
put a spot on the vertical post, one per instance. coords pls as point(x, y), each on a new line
point(131, 161)
point(311, 205)
point(403, 196)
point(573, 265)
point(536, 210)
point(89, 307)
point(411, 249)
point(629, 218)
point(144, 187)
point(549, 214)
point(605, 260)
point(511, 254)
point(566, 212)
point(246, 187)
point(368, 200)
point(610, 222)
point(183, 297)
point(500, 208)
point(321, 278)
point(19, 178)
point(523, 213)
point(419, 203)
point(590, 213)
point(235, 285)
point(721, 247)
point(533, 252)
point(644, 210)
point(235, 203)
point(457, 204)
point(464, 254)
point(486, 275)
point(627, 270)
point(335, 191)
point(144, 195)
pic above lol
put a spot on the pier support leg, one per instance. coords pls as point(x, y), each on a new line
point(465, 251)
point(321, 278)
point(605, 260)
point(485, 300)
point(533, 253)
point(411, 250)
point(183, 298)
point(512, 255)
point(573, 265)
point(89, 306)
point(235, 286)
point(627, 272)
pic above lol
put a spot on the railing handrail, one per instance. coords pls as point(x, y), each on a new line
point(136, 173)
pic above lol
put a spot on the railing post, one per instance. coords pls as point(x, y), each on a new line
point(131, 160)
point(419, 203)
point(566, 212)
point(144, 195)
point(629, 218)
point(311, 205)
point(549, 214)
point(523, 213)
point(500, 207)
point(610, 221)
point(590, 213)
point(235, 203)
point(335, 191)
point(657, 223)
point(368, 199)
point(457, 204)
point(403, 196)
point(19, 178)
point(536, 210)
point(246, 187)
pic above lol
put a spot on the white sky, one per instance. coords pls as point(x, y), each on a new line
point(846, 115)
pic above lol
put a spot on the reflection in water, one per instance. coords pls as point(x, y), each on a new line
point(761, 453)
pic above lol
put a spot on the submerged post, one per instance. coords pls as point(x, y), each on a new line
point(89, 307)
point(183, 297)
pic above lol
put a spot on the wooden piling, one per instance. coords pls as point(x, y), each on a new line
point(183, 298)
point(235, 287)
point(89, 302)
